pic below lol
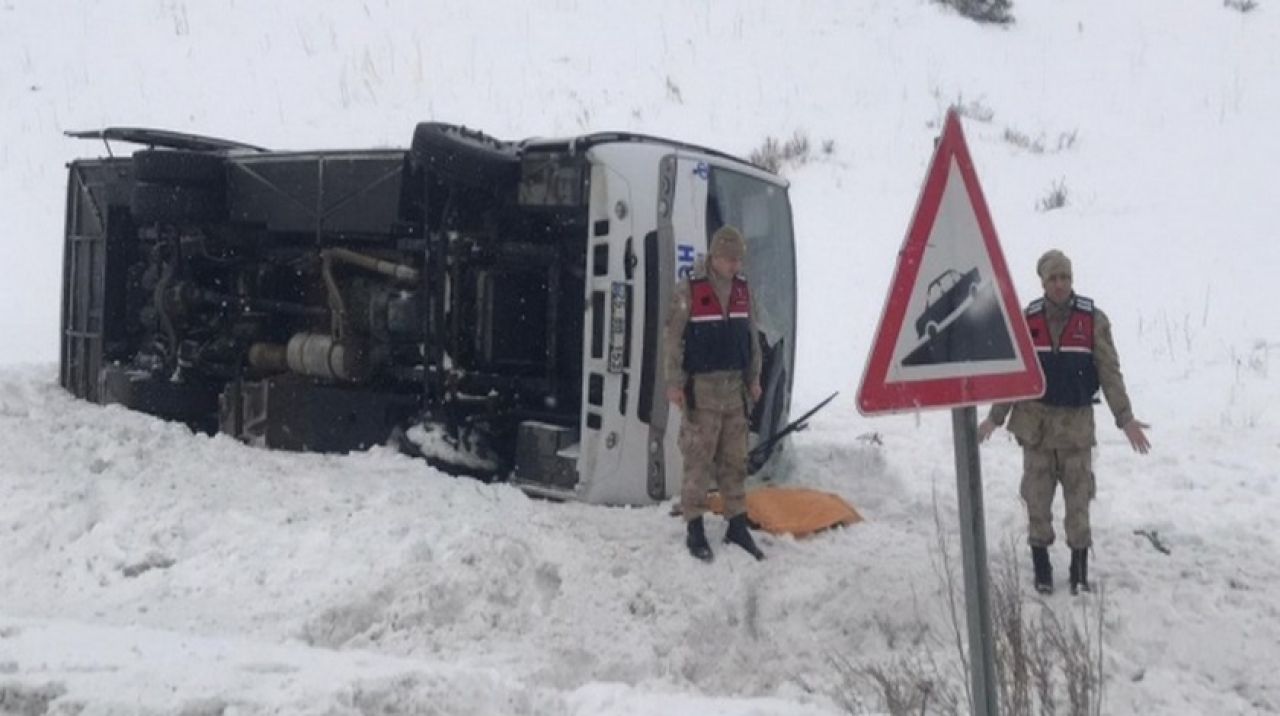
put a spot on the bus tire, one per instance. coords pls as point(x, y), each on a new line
point(176, 204)
point(465, 155)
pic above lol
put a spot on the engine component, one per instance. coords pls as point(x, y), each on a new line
point(391, 269)
point(320, 356)
point(269, 357)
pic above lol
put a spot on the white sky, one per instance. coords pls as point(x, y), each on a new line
point(345, 585)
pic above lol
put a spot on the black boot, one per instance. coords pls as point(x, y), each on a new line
point(696, 540)
point(741, 536)
point(1080, 571)
point(1043, 570)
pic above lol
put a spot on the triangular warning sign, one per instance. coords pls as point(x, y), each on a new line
point(952, 332)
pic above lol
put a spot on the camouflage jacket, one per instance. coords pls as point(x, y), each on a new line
point(1049, 427)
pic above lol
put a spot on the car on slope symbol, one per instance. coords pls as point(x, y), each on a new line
point(945, 295)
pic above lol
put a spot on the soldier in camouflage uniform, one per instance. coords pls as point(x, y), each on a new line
point(713, 376)
point(1073, 341)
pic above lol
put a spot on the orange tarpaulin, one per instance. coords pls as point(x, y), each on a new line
point(798, 511)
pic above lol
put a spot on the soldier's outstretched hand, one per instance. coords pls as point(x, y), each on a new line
point(1134, 430)
point(985, 428)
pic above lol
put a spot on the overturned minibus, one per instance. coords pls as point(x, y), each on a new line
point(495, 307)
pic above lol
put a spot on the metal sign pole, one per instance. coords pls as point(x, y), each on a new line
point(973, 545)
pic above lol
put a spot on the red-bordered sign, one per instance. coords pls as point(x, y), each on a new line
point(952, 332)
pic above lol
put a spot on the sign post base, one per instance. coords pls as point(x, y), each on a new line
point(973, 546)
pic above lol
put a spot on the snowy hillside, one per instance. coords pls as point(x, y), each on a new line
point(147, 570)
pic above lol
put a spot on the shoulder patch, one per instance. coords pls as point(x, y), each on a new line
point(1084, 303)
point(1035, 306)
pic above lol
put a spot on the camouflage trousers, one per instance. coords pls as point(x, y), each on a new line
point(1042, 472)
point(713, 440)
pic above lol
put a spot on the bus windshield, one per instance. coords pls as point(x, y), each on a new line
point(763, 214)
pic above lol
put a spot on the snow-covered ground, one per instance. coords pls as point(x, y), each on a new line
point(148, 570)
